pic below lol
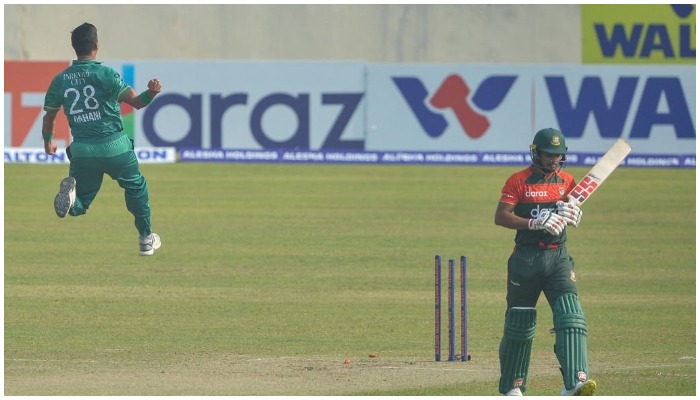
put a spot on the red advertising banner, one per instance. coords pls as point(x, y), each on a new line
point(26, 83)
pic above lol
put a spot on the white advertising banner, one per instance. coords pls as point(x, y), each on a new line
point(253, 105)
point(500, 107)
point(36, 155)
point(316, 111)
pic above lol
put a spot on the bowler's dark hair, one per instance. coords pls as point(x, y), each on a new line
point(83, 39)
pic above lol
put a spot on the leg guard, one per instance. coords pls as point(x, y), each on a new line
point(515, 347)
point(571, 345)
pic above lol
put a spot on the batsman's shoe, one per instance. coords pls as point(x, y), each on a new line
point(586, 388)
point(149, 244)
point(514, 392)
point(65, 198)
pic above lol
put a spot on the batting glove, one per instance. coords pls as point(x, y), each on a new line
point(570, 212)
point(551, 222)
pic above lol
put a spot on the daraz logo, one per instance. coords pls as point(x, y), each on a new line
point(454, 94)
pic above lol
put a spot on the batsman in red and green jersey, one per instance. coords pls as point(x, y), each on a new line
point(533, 202)
point(89, 94)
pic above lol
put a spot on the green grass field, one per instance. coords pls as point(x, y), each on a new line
point(270, 276)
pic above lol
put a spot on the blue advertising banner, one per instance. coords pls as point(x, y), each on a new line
point(416, 157)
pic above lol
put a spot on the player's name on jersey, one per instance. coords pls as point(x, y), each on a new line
point(88, 117)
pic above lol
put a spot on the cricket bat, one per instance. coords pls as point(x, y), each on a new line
point(600, 171)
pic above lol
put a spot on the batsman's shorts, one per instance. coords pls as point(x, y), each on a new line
point(533, 270)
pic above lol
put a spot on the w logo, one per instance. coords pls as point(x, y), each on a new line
point(453, 94)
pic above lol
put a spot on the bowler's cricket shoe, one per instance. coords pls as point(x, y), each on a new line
point(586, 388)
point(65, 198)
point(149, 244)
point(514, 392)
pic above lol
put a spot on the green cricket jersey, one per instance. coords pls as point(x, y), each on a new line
point(89, 93)
point(531, 192)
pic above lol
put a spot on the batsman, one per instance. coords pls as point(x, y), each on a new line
point(534, 203)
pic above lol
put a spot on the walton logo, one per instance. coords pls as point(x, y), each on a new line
point(635, 33)
point(454, 93)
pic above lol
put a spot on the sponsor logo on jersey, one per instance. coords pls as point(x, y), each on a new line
point(535, 212)
point(536, 193)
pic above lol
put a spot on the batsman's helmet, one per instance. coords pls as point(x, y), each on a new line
point(548, 140)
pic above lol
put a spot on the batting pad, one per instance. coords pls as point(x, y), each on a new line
point(571, 346)
point(515, 347)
